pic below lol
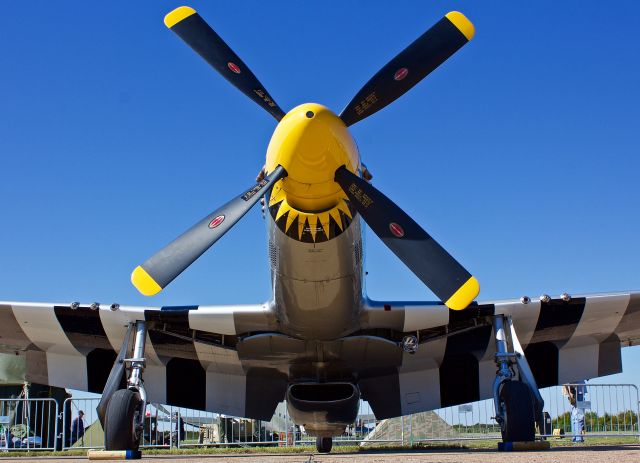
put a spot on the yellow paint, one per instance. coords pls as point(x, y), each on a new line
point(344, 208)
point(277, 194)
point(282, 211)
point(335, 213)
point(464, 295)
point(178, 15)
point(323, 221)
point(316, 219)
point(144, 283)
point(462, 23)
point(290, 218)
point(311, 149)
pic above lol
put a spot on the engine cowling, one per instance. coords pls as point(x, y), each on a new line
point(324, 409)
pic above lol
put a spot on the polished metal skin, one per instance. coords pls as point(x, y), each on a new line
point(317, 287)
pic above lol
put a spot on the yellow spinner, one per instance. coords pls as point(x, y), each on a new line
point(311, 143)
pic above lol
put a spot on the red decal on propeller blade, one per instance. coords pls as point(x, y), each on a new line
point(396, 229)
point(401, 74)
point(217, 221)
point(234, 67)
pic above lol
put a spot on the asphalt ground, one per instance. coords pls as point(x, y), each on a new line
point(627, 453)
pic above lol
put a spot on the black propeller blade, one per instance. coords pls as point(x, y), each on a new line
point(430, 262)
point(196, 33)
point(164, 266)
point(408, 68)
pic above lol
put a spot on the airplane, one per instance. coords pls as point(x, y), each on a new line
point(319, 342)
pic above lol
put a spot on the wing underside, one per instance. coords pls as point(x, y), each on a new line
point(191, 354)
point(233, 360)
point(564, 341)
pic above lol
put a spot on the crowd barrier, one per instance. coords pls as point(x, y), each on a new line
point(608, 410)
point(28, 424)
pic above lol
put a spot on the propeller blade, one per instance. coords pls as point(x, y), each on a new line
point(430, 262)
point(408, 68)
point(196, 33)
point(164, 266)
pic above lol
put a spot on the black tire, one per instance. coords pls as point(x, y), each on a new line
point(119, 429)
point(519, 424)
point(324, 444)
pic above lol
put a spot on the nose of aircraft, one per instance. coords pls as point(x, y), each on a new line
point(311, 143)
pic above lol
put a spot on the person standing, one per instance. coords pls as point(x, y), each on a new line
point(575, 394)
point(77, 427)
point(178, 431)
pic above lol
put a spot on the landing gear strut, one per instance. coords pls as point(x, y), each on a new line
point(324, 444)
point(516, 397)
point(121, 411)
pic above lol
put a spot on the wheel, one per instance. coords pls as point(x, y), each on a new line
point(324, 444)
point(120, 432)
point(519, 422)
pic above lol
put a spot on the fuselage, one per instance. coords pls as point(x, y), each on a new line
point(315, 243)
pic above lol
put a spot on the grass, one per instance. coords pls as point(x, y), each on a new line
point(491, 444)
point(381, 448)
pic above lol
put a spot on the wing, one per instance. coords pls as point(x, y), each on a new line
point(192, 360)
point(564, 341)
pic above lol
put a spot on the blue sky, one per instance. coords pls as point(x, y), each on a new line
point(519, 154)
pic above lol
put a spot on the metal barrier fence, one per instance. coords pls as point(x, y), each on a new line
point(167, 426)
point(608, 410)
point(28, 424)
point(172, 427)
point(81, 431)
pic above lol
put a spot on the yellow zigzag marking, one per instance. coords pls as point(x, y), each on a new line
point(301, 223)
point(314, 219)
point(313, 226)
point(290, 218)
point(344, 208)
point(335, 213)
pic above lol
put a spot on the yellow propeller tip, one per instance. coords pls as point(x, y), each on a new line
point(144, 283)
point(462, 23)
point(177, 15)
point(464, 295)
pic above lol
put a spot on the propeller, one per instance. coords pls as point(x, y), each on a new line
point(165, 265)
point(409, 67)
point(196, 33)
point(429, 261)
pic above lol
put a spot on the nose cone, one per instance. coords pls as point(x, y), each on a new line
point(311, 142)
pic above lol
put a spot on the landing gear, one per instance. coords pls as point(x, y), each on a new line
point(324, 444)
point(516, 397)
point(518, 421)
point(121, 411)
point(120, 432)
